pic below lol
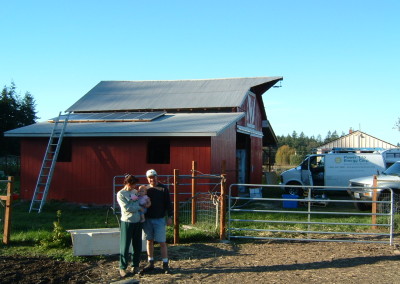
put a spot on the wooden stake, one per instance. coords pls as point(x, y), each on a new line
point(176, 207)
point(194, 201)
point(222, 219)
point(7, 219)
point(223, 167)
point(374, 199)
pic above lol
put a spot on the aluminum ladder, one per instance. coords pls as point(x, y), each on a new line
point(49, 163)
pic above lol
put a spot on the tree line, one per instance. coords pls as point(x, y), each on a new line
point(292, 149)
point(15, 111)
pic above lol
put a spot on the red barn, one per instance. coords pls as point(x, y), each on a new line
point(130, 126)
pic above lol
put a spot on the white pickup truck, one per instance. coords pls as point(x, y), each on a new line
point(360, 188)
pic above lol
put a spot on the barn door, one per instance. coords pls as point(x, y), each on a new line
point(242, 168)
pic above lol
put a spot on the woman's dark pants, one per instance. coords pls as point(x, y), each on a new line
point(130, 233)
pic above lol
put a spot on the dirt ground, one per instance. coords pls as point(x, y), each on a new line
point(250, 262)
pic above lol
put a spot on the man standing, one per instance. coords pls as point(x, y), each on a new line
point(155, 225)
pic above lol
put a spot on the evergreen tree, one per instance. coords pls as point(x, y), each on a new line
point(293, 149)
point(328, 137)
point(334, 136)
point(27, 110)
point(14, 112)
point(8, 109)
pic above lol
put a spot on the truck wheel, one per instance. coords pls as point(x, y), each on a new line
point(362, 206)
point(294, 190)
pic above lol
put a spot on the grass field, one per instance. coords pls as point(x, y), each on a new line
point(45, 233)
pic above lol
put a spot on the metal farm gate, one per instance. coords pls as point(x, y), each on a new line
point(324, 214)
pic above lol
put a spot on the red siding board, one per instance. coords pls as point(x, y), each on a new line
point(256, 160)
point(88, 178)
point(224, 149)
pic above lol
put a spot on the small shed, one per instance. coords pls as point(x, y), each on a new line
point(130, 126)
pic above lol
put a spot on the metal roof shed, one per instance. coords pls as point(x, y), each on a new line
point(208, 121)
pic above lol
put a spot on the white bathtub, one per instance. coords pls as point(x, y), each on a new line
point(103, 241)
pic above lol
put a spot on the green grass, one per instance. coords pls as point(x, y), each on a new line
point(32, 233)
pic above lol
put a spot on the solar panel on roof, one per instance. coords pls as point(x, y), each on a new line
point(151, 115)
point(112, 117)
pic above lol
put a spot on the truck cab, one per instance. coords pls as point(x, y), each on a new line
point(310, 172)
point(361, 188)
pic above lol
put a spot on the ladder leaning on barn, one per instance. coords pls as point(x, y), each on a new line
point(49, 163)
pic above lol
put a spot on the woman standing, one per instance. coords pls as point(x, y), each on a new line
point(131, 227)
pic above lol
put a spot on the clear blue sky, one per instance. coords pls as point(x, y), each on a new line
point(340, 59)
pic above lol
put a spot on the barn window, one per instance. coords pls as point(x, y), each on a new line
point(158, 151)
point(65, 154)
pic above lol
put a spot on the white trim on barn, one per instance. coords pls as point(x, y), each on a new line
point(249, 131)
point(355, 139)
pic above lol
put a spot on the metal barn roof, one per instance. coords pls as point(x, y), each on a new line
point(171, 124)
point(356, 139)
point(180, 94)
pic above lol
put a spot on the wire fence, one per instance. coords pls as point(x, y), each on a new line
point(206, 199)
point(6, 187)
point(3, 191)
point(9, 165)
point(207, 211)
point(385, 207)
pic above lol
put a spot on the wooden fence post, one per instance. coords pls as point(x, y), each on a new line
point(374, 199)
point(7, 219)
point(176, 207)
point(222, 219)
point(194, 174)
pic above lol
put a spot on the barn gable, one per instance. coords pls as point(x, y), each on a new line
point(356, 139)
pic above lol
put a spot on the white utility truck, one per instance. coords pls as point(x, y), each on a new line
point(337, 167)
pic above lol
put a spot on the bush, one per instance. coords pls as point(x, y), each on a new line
point(59, 237)
point(295, 159)
point(283, 155)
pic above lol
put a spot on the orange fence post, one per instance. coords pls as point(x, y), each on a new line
point(222, 219)
point(7, 219)
point(176, 207)
point(194, 174)
point(374, 198)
